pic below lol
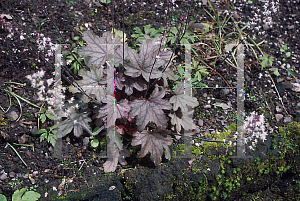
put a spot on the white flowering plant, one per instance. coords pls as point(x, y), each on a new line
point(255, 129)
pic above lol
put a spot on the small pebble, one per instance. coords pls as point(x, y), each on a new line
point(12, 174)
point(200, 122)
point(207, 106)
point(3, 176)
point(287, 119)
point(278, 117)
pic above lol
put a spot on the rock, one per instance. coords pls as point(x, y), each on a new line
point(280, 80)
point(236, 16)
point(23, 139)
point(12, 115)
point(29, 154)
point(225, 91)
point(207, 106)
point(12, 174)
point(200, 122)
point(288, 119)
point(86, 141)
point(278, 109)
point(3, 176)
point(265, 27)
point(278, 117)
point(296, 87)
point(34, 130)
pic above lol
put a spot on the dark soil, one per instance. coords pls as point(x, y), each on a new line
point(82, 166)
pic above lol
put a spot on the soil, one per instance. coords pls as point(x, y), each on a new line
point(272, 24)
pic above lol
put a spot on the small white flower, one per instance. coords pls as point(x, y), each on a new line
point(33, 83)
point(40, 74)
point(28, 77)
point(40, 96)
point(69, 62)
point(41, 82)
point(71, 100)
point(50, 81)
point(208, 169)
point(42, 88)
point(50, 101)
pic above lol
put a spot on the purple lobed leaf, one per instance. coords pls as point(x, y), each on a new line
point(91, 83)
point(150, 110)
point(97, 48)
point(151, 143)
point(147, 62)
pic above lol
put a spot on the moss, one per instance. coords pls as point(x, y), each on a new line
point(232, 127)
point(291, 131)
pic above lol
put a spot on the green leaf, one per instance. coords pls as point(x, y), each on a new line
point(153, 33)
point(270, 61)
point(96, 129)
point(276, 72)
point(147, 29)
point(31, 196)
point(43, 118)
point(18, 194)
point(288, 54)
point(105, 1)
point(136, 35)
point(184, 40)
point(41, 131)
point(51, 139)
point(95, 143)
point(76, 37)
point(176, 77)
point(50, 115)
point(2, 198)
point(43, 137)
point(180, 70)
point(198, 76)
point(70, 57)
point(138, 30)
point(265, 61)
point(173, 39)
point(174, 30)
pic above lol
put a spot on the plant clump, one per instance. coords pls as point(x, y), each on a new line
point(135, 107)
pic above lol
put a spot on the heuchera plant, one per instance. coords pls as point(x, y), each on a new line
point(134, 106)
